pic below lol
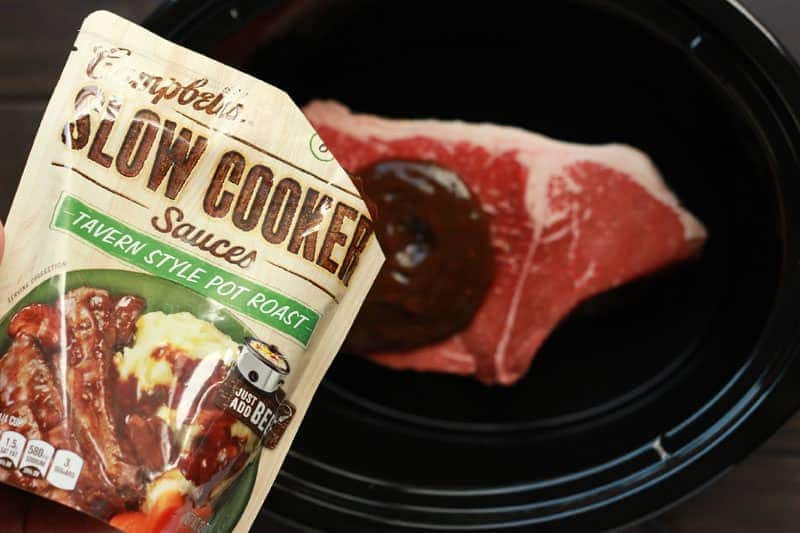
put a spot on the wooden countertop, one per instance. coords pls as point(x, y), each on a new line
point(760, 495)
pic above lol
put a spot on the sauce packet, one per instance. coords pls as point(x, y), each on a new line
point(184, 259)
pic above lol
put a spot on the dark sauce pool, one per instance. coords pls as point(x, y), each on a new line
point(439, 258)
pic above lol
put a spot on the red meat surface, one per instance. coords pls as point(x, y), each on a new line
point(567, 221)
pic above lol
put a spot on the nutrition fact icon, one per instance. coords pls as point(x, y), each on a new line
point(65, 470)
point(11, 446)
point(36, 458)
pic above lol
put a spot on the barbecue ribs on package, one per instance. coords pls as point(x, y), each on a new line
point(65, 399)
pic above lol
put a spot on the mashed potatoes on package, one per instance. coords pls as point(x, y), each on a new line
point(184, 259)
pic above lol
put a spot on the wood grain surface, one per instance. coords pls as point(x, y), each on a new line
point(760, 495)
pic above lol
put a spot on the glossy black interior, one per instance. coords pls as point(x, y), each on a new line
point(642, 364)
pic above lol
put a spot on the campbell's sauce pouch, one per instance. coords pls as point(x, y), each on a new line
point(184, 258)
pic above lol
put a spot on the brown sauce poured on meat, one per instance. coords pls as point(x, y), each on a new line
point(438, 257)
point(212, 452)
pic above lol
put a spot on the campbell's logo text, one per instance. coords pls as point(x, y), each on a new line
point(107, 62)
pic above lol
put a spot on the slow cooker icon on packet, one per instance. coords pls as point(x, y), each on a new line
point(262, 364)
point(253, 392)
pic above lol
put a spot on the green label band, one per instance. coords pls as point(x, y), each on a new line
point(160, 259)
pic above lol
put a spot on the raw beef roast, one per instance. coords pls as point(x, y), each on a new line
point(567, 222)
